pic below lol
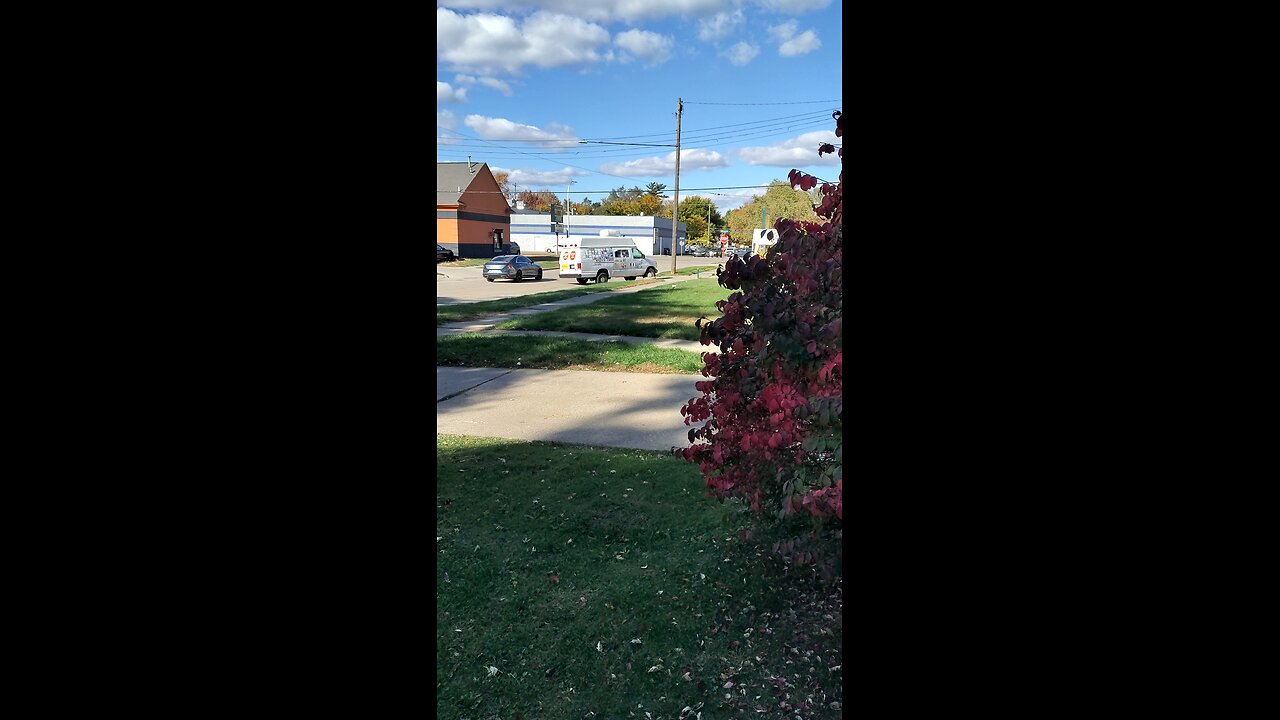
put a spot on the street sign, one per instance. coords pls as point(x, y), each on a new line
point(557, 214)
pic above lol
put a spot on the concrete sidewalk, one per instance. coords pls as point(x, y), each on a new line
point(582, 407)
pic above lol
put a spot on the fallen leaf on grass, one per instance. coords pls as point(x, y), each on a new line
point(492, 670)
point(555, 579)
point(635, 641)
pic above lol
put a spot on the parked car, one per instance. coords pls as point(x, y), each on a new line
point(700, 251)
point(444, 254)
point(511, 267)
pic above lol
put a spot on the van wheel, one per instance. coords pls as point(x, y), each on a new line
point(489, 279)
point(582, 281)
point(602, 276)
point(628, 277)
point(650, 272)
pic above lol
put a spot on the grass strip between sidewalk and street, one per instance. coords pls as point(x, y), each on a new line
point(576, 581)
point(470, 311)
point(666, 312)
point(562, 353)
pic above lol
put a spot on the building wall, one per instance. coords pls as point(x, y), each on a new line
point(467, 228)
point(533, 231)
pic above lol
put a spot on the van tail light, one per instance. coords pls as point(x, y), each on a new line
point(579, 266)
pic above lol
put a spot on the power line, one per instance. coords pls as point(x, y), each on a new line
point(763, 127)
point(810, 114)
point(557, 162)
point(794, 102)
point(608, 153)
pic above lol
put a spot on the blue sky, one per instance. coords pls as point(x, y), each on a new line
point(520, 82)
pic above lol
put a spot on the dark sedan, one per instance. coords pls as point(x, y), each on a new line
point(444, 254)
point(512, 267)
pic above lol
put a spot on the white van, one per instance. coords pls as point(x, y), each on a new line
point(601, 258)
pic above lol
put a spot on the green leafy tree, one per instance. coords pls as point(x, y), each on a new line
point(693, 211)
point(780, 202)
point(622, 201)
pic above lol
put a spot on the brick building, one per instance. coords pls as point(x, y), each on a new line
point(473, 218)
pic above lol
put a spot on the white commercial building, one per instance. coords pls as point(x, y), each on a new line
point(533, 231)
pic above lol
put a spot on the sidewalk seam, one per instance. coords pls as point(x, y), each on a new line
point(473, 387)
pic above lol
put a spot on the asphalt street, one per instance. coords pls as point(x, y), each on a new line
point(467, 284)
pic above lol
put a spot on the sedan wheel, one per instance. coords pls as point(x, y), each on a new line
point(539, 276)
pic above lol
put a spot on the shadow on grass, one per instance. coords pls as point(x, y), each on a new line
point(561, 353)
point(590, 580)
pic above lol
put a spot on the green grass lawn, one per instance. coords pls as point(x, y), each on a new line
point(667, 312)
point(470, 311)
point(703, 269)
point(573, 580)
point(560, 353)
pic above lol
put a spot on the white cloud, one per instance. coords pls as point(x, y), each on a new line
point(445, 120)
point(541, 180)
point(692, 159)
point(791, 44)
point(600, 10)
point(651, 48)
point(792, 6)
point(727, 200)
point(554, 136)
point(719, 25)
point(797, 152)
point(494, 83)
point(446, 93)
point(804, 43)
point(785, 31)
point(486, 43)
point(742, 53)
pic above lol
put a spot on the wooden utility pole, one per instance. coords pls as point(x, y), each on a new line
point(675, 201)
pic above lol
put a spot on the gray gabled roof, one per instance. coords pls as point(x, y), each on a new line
point(453, 175)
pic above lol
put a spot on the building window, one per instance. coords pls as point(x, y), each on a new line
point(497, 240)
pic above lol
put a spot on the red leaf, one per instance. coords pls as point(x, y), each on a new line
point(555, 579)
